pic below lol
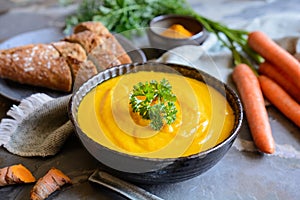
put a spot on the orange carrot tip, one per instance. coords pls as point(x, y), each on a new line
point(253, 102)
point(280, 99)
point(281, 78)
point(275, 54)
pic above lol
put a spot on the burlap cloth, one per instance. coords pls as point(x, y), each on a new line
point(39, 125)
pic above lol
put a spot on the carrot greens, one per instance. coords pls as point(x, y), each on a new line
point(123, 15)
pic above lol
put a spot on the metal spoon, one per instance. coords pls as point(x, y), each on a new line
point(128, 190)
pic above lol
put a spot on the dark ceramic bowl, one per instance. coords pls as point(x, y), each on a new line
point(156, 170)
point(163, 22)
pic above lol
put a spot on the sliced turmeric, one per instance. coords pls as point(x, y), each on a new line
point(177, 31)
point(15, 174)
point(45, 186)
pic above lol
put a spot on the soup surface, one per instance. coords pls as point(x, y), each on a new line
point(204, 117)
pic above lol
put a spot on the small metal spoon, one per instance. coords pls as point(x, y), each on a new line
point(128, 190)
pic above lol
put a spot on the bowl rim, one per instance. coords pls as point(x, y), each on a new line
point(201, 34)
point(231, 137)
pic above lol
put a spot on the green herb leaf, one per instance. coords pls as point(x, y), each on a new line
point(155, 102)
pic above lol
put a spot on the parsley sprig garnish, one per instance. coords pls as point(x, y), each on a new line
point(155, 102)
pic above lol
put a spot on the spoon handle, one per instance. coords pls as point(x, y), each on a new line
point(126, 189)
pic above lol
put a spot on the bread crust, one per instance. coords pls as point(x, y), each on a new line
point(77, 59)
point(39, 65)
point(109, 42)
point(58, 65)
point(95, 27)
point(103, 59)
point(87, 39)
point(72, 50)
point(85, 70)
point(103, 51)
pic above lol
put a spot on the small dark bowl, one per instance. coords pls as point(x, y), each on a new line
point(161, 23)
point(156, 170)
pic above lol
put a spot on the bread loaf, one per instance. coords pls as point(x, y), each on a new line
point(103, 59)
point(109, 43)
point(87, 39)
point(77, 60)
point(72, 50)
point(96, 27)
point(95, 46)
point(85, 71)
point(39, 65)
point(59, 64)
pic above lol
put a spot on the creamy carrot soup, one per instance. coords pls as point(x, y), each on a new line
point(204, 117)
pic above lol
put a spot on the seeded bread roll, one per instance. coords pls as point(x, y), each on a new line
point(39, 65)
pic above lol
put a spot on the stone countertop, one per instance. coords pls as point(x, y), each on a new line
point(240, 174)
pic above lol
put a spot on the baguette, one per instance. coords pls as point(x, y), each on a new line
point(86, 70)
point(103, 59)
point(95, 48)
point(59, 64)
point(109, 43)
point(38, 65)
point(72, 50)
point(87, 39)
point(95, 27)
point(77, 60)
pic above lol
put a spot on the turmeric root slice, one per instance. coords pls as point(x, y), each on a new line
point(45, 186)
point(15, 174)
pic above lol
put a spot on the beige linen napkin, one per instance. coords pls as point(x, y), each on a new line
point(38, 126)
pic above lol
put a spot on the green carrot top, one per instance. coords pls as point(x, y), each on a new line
point(134, 15)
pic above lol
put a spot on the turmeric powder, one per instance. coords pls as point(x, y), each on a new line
point(177, 31)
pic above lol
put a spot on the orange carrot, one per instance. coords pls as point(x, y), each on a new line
point(280, 99)
point(297, 56)
point(275, 54)
point(15, 174)
point(52, 181)
point(281, 78)
point(253, 102)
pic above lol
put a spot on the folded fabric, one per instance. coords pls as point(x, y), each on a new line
point(38, 126)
